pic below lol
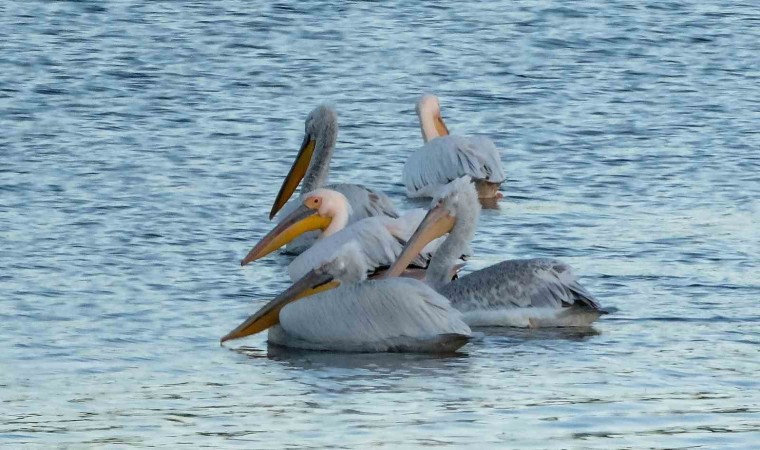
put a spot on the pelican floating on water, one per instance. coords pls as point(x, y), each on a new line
point(521, 293)
point(445, 157)
point(327, 212)
point(312, 165)
point(359, 315)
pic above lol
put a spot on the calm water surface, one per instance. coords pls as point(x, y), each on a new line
point(142, 144)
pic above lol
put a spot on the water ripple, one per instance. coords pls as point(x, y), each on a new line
point(142, 143)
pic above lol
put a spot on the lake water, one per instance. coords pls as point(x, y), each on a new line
point(143, 143)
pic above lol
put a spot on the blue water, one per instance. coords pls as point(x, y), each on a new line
point(142, 144)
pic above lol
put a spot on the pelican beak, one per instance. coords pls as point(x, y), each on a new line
point(297, 171)
point(297, 223)
point(269, 315)
point(436, 223)
point(440, 126)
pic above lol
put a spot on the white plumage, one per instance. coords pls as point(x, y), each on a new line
point(380, 241)
point(405, 226)
point(321, 131)
point(447, 158)
point(526, 292)
point(378, 247)
point(394, 314)
point(444, 157)
point(327, 213)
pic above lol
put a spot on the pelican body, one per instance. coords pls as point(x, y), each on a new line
point(359, 315)
point(521, 293)
point(445, 157)
point(327, 212)
point(312, 166)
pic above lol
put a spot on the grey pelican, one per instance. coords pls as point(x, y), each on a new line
point(359, 315)
point(521, 292)
point(312, 165)
point(326, 212)
point(445, 157)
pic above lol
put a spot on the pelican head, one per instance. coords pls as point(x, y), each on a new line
point(347, 266)
point(454, 210)
point(321, 209)
point(429, 114)
point(312, 161)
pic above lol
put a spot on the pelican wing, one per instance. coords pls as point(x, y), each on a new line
point(365, 202)
point(446, 158)
point(519, 283)
point(379, 247)
point(385, 315)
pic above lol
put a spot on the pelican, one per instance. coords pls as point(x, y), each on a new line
point(312, 165)
point(327, 212)
point(445, 157)
point(359, 315)
point(520, 292)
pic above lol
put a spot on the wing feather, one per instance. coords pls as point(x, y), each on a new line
point(378, 246)
point(446, 158)
point(373, 315)
point(519, 283)
point(364, 203)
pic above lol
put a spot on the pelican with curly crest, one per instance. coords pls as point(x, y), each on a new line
point(521, 292)
point(335, 308)
point(312, 166)
point(445, 157)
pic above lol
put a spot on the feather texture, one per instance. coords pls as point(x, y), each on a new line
point(519, 283)
point(322, 126)
point(364, 203)
point(446, 158)
point(380, 239)
point(378, 247)
point(393, 314)
point(523, 292)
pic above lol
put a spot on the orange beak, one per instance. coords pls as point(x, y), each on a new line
point(297, 223)
point(440, 126)
point(269, 315)
point(436, 223)
point(295, 175)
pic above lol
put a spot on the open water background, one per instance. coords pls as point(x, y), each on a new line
point(142, 143)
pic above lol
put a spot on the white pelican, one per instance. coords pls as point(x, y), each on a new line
point(388, 315)
point(325, 211)
point(521, 293)
point(312, 165)
point(445, 157)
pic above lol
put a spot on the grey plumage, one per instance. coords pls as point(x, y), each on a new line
point(364, 202)
point(519, 283)
point(460, 199)
point(389, 315)
point(322, 125)
point(446, 158)
point(378, 247)
point(519, 292)
point(395, 314)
